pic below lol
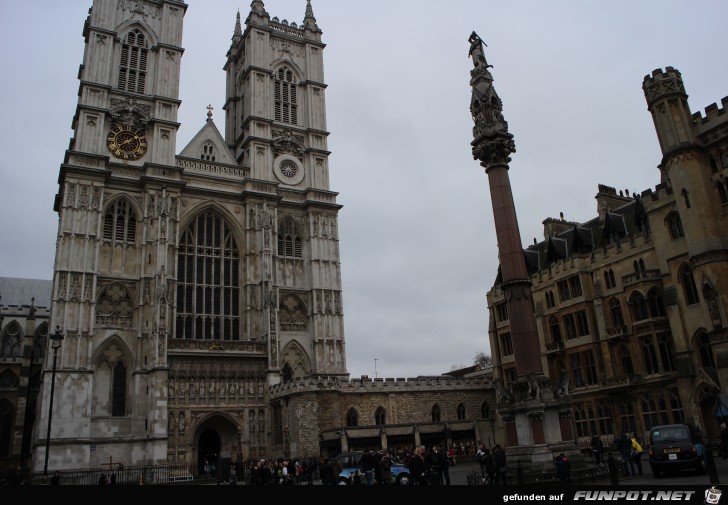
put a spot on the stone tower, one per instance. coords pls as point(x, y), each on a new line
point(186, 284)
point(534, 412)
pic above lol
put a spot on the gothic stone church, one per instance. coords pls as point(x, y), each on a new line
point(199, 294)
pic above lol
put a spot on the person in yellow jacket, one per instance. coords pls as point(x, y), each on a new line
point(637, 453)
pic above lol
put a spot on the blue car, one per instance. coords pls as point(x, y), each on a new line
point(351, 464)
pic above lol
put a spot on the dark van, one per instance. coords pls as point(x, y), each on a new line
point(676, 447)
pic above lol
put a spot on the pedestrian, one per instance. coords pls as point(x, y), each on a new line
point(112, 478)
point(102, 480)
point(480, 458)
point(443, 466)
point(563, 469)
point(367, 467)
point(723, 449)
point(385, 470)
point(624, 445)
point(326, 472)
point(597, 449)
point(418, 467)
point(56, 478)
point(637, 453)
point(501, 469)
point(233, 477)
point(490, 468)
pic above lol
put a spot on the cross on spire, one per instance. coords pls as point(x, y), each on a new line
point(209, 112)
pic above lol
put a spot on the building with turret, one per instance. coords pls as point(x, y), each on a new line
point(632, 306)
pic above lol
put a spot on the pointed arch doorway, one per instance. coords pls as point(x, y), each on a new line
point(217, 444)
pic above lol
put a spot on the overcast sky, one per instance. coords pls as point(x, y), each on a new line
point(418, 248)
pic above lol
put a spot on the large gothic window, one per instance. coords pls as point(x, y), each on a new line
point(118, 390)
point(12, 340)
point(208, 286)
point(615, 308)
point(435, 413)
point(649, 355)
point(120, 222)
point(461, 412)
point(380, 417)
point(702, 344)
point(654, 303)
point(133, 62)
point(286, 102)
point(352, 418)
point(625, 360)
point(289, 241)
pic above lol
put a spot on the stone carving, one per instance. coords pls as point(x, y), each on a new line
point(562, 389)
point(503, 396)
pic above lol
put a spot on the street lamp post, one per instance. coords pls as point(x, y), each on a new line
point(492, 428)
point(56, 339)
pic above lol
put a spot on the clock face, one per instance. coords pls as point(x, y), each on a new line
point(126, 142)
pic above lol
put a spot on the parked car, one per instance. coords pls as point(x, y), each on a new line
point(351, 463)
point(674, 447)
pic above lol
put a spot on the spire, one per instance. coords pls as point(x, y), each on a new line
point(492, 143)
point(309, 22)
point(238, 33)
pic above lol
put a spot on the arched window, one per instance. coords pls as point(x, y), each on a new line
point(702, 343)
point(654, 303)
point(667, 353)
point(289, 241)
point(120, 222)
point(207, 153)
point(649, 355)
point(118, 390)
point(133, 62)
point(380, 416)
point(615, 309)
point(435, 413)
point(674, 224)
point(639, 307)
point(604, 412)
point(485, 411)
point(609, 279)
point(688, 285)
point(286, 102)
point(461, 411)
point(12, 339)
point(554, 329)
point(352, 418)
point(208, 293)
point(625, 359)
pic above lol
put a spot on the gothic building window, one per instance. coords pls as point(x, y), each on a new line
point(649, 355)
point(667, 353)
point(506, 344)
point(461, 411)
point(289, 240)
point(286, 101)
point(584, 420)
point(380, 416)
point(435, 413)
point(674, 224)
point(208, 285)
point(12, 340)
point(625, 360)
point(638, 304)
point(604, 414)
point(550, 301)
point(352, 418)
point(615, 309)
point(207, 153)
point(661, 407)
point(133, 62)
point(485, 411)
point(114, 306)
point(609, 279)
point(554, 329)
point(118, 390)
point(655, 306)
point(39, 343)
point(501, 311)
point(688, 285)
point(120, 222)
point(626, 416)
point(702, 344)
point(287, 372)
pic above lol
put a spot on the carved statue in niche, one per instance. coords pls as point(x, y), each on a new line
point(181, 423)
point(171, 424)
point(261, 421)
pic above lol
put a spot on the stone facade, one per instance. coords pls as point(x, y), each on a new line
point(632, 306)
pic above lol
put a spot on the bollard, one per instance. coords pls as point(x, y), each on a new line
point(613, 473)
point(710, 466)
point(520, 477)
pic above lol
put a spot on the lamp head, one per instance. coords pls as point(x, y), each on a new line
point(56, 338)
